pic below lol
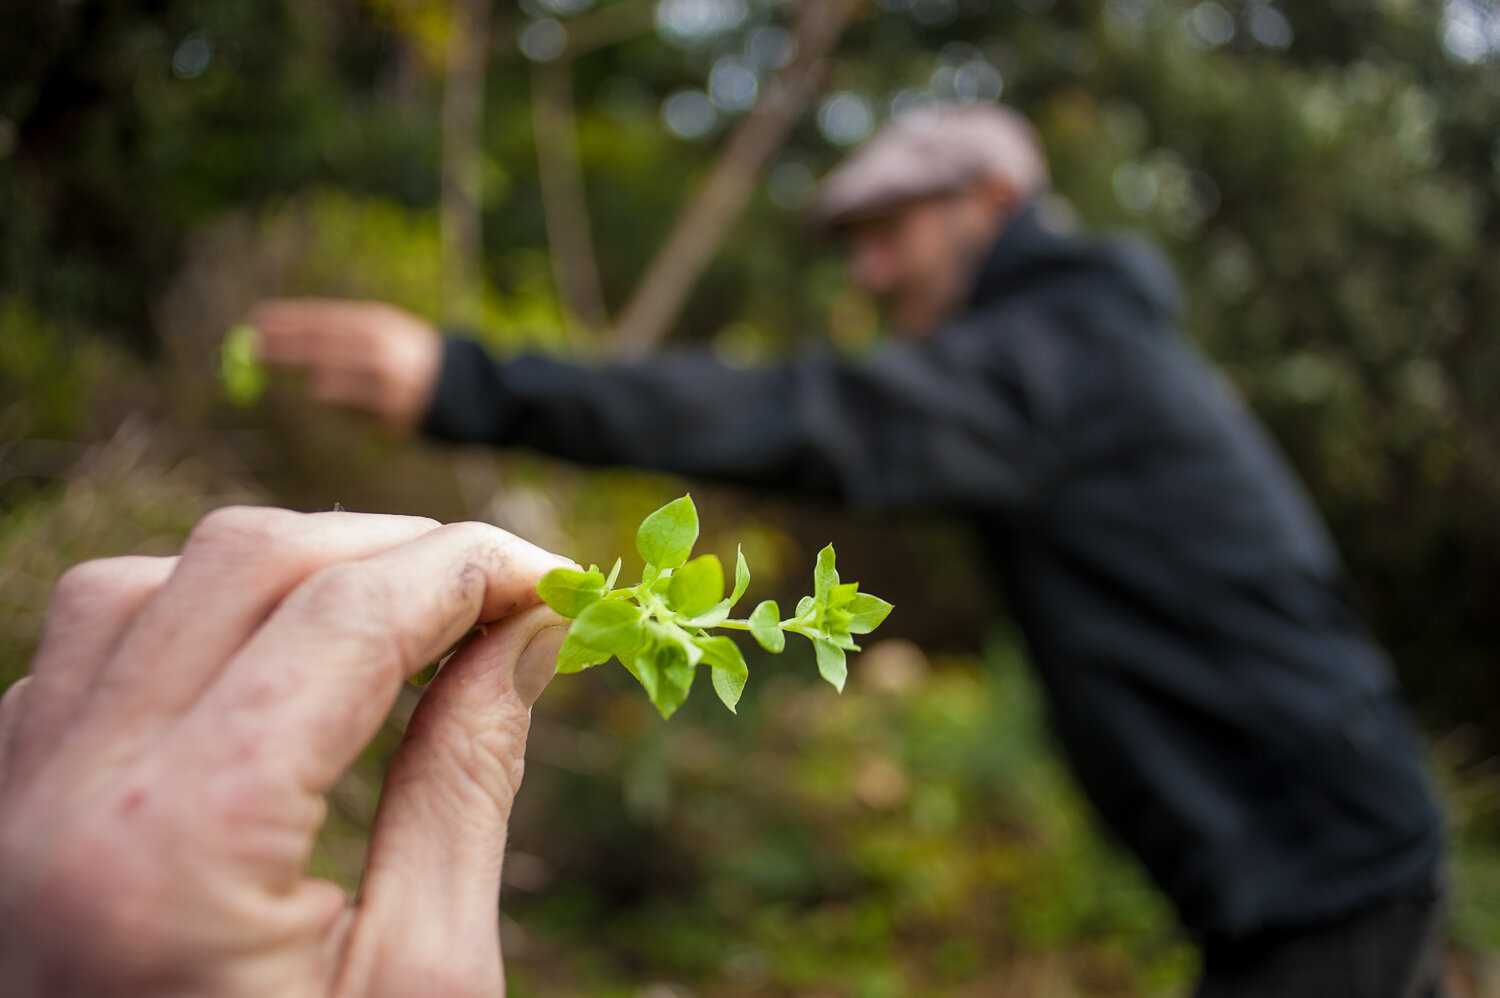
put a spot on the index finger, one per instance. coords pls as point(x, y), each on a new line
point(300, 331)
point(307, 311)
point(318, 678)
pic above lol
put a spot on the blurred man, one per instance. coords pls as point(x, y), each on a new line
point(163, 766)
point(1221, 705)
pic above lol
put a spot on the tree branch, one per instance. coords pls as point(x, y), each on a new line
point(564, 210)
point(660, 294)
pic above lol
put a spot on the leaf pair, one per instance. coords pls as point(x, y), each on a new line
point(659, 628)
point(829, 617)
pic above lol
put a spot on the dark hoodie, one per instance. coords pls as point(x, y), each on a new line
point(1221, 705)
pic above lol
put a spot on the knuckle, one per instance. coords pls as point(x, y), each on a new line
point(489, 544)
point(495, 762)
point(346, 587)
point(86, 589)
point(482, 765)
point(237, 532)
point(489, 554)
point(82, 586)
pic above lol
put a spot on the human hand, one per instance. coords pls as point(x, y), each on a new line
point(367, 356)
point(162, 768)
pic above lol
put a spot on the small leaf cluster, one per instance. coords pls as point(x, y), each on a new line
point(240, 368)
point(660, 628)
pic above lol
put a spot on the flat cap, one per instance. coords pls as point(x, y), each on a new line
point(936, 149)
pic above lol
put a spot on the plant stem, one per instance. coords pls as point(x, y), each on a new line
point(790, 624)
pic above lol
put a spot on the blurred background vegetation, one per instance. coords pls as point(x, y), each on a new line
point(1326, 176)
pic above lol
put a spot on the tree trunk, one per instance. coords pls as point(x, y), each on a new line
point(463, 115)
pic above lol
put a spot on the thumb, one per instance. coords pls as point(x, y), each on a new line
point(432, 882)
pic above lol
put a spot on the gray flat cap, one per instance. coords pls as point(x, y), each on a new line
point(934, 150)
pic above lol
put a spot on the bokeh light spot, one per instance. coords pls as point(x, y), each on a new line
point(543, 40)
point(845, 118)
point(192, 56)
point(770, 47)
point(977, 80)
point(688, 114)
point(692, 22)
point(1212, 24)
point(732, 85)
point(1270, 28)
point(1471, 30)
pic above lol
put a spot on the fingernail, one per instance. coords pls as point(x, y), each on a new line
point(538, 662)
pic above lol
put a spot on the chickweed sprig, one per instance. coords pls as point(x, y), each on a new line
point(660, 628)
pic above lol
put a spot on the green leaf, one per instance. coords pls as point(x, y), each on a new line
point(674, 675)
point(661, 586)
point(831, 663)
point(568, 590)
point(575, 656)
point(239, 366)
point(741, 576)
point(673, 634)
point(713, 618)
point(697, 586)
point(723, 654)
point(667, 536)
point(729, 669)
point(614, 573)
point(424, 677)
point(836, 621)
point(729, 687)
point(804, 605)
point(644, 668)
point(609, 625)
point(842, 640)
point(841, 595)
point(869, 612)
point(825, 576)
point(765, 626)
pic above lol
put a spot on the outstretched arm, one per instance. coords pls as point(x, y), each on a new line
point(960, 419)
point(935, 425)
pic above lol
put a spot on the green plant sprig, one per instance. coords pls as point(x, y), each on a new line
point(240, 368)
point(659, 628)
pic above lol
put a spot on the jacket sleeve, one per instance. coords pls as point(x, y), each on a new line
point(943, 424)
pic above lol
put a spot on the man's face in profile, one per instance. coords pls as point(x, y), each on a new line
point(919, 258)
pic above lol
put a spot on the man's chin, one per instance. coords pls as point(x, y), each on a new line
point(909, 327)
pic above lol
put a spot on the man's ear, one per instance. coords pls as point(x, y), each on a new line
point(1002, 198)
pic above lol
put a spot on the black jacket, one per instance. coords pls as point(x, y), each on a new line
point(1226, 712)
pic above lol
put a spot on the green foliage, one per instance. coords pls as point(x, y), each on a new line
point(913, 836)
point(659, 628)
point(41, 380)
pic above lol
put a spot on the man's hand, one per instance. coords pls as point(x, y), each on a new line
point(371, 357)
point(162, 769)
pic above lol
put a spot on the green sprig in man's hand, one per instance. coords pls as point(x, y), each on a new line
point(659, 628)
